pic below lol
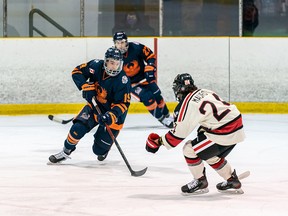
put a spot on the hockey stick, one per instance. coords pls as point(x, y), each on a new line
point(243, 175)
point(135, 85)
point(139, 83)
point(133, 173)
point(61, 121)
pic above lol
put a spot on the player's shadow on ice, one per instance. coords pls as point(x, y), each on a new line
point(211, 196)
point(143, 127)
point(89, 164)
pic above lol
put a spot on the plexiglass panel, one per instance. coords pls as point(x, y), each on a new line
point(56, 18)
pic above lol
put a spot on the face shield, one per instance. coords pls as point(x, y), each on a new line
point(113, 66)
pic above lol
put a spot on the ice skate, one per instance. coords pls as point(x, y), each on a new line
point(102, 157)
point(196, 186)
point(232, 185)
point(167, 120)
point(61, 156)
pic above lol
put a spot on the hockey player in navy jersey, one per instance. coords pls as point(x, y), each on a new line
point(140, 63)
point(105, 81)
point(220, 130)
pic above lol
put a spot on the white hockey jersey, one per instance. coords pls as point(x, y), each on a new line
point(221, 121)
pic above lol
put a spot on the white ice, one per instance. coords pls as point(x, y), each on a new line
point(84, 186)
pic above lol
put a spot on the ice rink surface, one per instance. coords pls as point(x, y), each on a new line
point(84, 186)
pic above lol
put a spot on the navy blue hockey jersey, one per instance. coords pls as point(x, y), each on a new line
point(135, 59)
point(112, 92)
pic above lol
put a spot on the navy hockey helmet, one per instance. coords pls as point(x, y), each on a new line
point(115, 56)
point(120, 40)
point(120, 35)
point(183, 84)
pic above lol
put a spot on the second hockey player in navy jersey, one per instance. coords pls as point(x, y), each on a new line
point(105, 81)
point(140, 63)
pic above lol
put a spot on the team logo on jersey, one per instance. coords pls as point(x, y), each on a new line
point(132, 68)
point(124, 79)
point(101, 93)
point(91, 71)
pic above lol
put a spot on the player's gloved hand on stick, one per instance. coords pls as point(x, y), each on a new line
point(88, 91)
point(152, 143)
point(150, 70)
point(106, 118)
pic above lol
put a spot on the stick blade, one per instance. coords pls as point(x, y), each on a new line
point(67, 121)
point(244, 175)
point(139, 173)
point(56, 119)
point(50, 117)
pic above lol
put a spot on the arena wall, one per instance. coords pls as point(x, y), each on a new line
point(251, 72)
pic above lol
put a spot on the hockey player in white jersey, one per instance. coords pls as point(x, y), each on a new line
point(220, 130)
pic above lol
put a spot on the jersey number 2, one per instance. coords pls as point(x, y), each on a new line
point(214, 108)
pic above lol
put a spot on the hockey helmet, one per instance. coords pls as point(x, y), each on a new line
point(115, 56)
point(183, 84)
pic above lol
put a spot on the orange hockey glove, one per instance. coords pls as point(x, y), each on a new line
point(88, 91)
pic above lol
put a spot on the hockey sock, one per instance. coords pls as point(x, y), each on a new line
point(222, 167)
point(77, 131)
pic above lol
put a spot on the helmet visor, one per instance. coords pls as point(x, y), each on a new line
point(113, 66)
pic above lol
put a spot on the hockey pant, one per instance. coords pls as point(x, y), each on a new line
point(214, 154)
point(150, 96)
point(82, 124)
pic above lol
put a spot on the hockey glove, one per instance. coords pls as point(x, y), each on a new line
point(152, 143)
point(88, 91)
point(108, 118)
point(149, 72)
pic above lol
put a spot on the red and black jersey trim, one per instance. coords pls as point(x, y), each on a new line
point(172, 140)
point(184, 106)
point(228, 128)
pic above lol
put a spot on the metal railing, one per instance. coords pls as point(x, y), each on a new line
point(32, 28)
point(5, 18)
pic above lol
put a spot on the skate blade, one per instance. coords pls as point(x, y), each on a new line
point(232, 191)
point(50, 163)
point(198, 192)
point(55, 164)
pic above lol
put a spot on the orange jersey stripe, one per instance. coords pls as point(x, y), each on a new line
point(161, 104)
point(116, 126)
point(76, 71)
point(148, 68)
point(152, 106)
point(151, 56)
point(123, 107)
